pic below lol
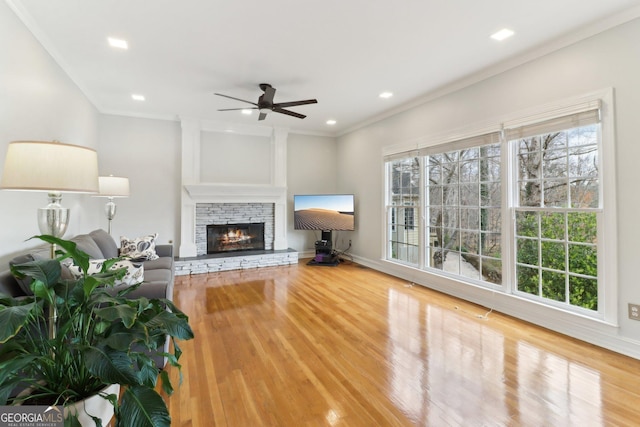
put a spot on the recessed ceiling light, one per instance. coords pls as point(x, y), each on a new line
point(119, 43)
point(247, 111)
point(137, 97)
point(386, 95)
point(331, 122)
point(504, 33)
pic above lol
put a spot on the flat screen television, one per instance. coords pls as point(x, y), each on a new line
point(326, 212)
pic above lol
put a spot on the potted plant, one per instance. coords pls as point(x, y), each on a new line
point(100, 337)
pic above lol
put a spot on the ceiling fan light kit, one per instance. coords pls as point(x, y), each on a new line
point(265, 103)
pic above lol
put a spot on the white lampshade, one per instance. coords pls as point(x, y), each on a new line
point(50, 166)
point(113, 186)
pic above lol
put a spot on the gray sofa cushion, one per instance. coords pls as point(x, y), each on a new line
point(9, 285)
point(156, 276)
point(87, 245)
point(164, 263)
point(105, 242)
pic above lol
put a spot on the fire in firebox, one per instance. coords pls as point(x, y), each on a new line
point(235, 237)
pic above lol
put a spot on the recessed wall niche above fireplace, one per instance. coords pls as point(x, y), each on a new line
point(223, 238)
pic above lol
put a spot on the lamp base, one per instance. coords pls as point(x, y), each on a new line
point(110, 210)
point(53, 219)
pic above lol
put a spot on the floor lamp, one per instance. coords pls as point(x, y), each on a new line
point(112, 187)
point(54, 168)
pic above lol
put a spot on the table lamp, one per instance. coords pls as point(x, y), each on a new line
point(51, 167)
point(55, 168)
point(112, 187)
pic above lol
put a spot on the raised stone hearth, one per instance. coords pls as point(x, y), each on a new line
point(234, 261)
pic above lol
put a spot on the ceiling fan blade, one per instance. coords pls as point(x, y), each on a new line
point(267, 97)
point(262, 116)
point(238, 109)
point(289, 113)
point(295, 103)
point(237, 99)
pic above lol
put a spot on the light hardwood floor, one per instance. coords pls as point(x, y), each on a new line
point(349, 346)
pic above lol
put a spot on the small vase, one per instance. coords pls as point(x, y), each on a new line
point(95, 405)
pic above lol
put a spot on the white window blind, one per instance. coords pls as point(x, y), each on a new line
point(583, 117)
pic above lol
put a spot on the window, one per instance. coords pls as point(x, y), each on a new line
point(557, 213)
point(404, 197)
point(448, 207)
point(463, 205)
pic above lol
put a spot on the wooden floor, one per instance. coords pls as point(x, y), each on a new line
point(348, 346)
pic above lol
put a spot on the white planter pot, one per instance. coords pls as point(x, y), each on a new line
point(95, 405)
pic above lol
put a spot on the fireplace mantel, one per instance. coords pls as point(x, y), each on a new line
point(236, 192)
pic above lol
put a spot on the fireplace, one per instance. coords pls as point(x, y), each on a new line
point(235, 237)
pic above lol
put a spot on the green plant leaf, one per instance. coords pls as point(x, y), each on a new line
point(175, 326)
point(10, 367)
point(143, 407)
point(111, 366)
point(12, 319)
point(10, 377)
point(148, 373)
point(79, 258)
point(167, 387)
point(72, 421)
point(46, 271)
point(41, 290)
point(123, 312)
point(6, 389)
point(100, 279)
point(121, 338)
point(177, 352)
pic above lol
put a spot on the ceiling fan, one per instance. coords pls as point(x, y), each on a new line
point(265, 103)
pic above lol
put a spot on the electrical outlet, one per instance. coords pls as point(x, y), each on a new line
point(634, 311)
point(349, 242)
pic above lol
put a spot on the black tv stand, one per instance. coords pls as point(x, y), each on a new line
point(325, 256)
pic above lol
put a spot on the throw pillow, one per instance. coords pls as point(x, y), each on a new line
point(133, 276)
point(140, 249)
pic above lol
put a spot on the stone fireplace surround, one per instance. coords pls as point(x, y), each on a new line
point(232, 213)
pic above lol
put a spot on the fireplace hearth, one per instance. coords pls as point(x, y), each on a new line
point(223, 238)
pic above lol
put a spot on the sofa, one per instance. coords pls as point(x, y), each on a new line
point(157, 274)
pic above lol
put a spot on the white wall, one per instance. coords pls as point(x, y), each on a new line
point(148, 153)
point(235, 158)
point(311, 169)
point(610, 59)
point(37, 102)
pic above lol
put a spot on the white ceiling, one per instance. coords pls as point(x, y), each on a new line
point(342, 52)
